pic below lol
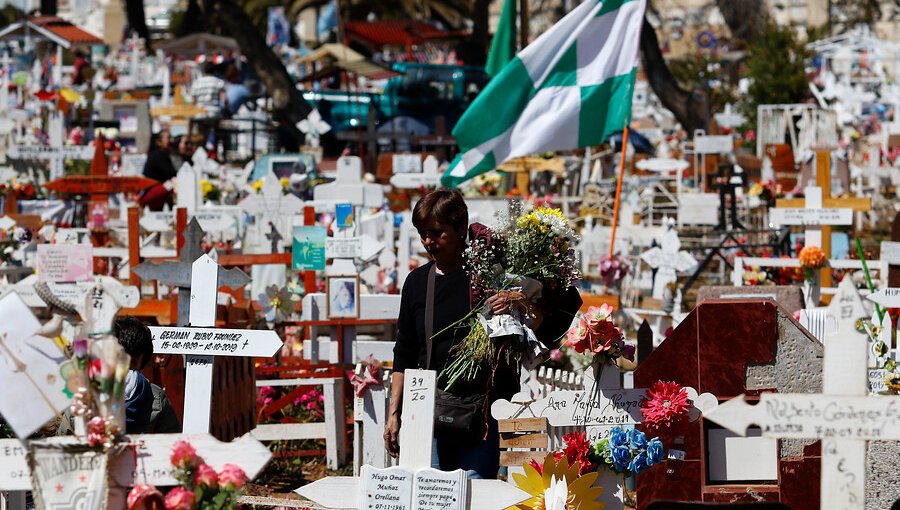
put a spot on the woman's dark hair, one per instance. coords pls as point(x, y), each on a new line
point(445, 206)
point(155, 138)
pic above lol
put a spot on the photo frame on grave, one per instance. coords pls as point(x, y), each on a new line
point(342, 296)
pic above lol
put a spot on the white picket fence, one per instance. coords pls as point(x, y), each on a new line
point(331, 429)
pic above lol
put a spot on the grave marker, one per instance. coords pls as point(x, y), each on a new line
point(375, 487)
point(429, 176)
point(349, 186)
point(668, 260)
point(843, 417)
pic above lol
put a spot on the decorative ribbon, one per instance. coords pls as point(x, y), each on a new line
point(371, 376)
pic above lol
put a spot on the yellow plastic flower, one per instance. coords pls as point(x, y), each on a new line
point(582, 494)
point(284, 182)
point(756, 190)
point(258, 185)
point(205, 187)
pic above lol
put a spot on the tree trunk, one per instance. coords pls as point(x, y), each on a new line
point(474, 49)
point(691, 108)
point(745, 18)
point(137, 22)
point(288, 104)
point(48, 7)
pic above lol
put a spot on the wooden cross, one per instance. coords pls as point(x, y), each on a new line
point(843, 417)
point(201, 341)
point(415, 458)
point(178, 274)
point(819, 200)
point(99, 184)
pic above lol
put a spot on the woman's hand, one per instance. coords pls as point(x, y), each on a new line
point(505, 301)
point(392, 435)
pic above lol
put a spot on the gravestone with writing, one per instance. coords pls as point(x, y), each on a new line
point(413, 484)
point(726, 348)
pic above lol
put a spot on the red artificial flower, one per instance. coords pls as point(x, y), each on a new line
point(577, 450)
point(665, 407)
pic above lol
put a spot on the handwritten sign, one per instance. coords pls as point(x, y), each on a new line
point(785, 216)
point(348, 248)
point(65, 262)
point(385, 489)
point(876, 380)
point(811, 416)
point(579, 407)
point(439, 490)
point(212, 341)
point(887, 297)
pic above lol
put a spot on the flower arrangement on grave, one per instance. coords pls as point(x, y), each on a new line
point(812, 258)
point(757, 277)
point(666, 408)
point(304, 407)
point(201, 487)
point(210, 191)
point(100, 369)
point(595, 334)
point(531, 252)
point(484, 185)
point(613, 269)
point(11, 240)
point(768, 192)
point(628, 452)
point(558, 484)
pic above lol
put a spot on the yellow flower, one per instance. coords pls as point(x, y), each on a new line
point(756, 190)
point(258, 185)
point(284, 182)
point(205, 187)
point(582, 493)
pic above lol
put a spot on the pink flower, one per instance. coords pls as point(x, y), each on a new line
point(206, 476)
point(184, 456)
point(140, 496)
point(232, 477)
point(556, 355)
point(577, 336)
point(180, 498)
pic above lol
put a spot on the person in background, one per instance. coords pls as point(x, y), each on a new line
point(147, 408)
point(160, 168)
point(208, 90)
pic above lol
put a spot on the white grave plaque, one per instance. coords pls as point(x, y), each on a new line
point(385, 489)
point(343, 248)
point(784, 216)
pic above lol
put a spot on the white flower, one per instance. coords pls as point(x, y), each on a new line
point(557, 494)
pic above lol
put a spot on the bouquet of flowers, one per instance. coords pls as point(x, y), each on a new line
point(201, 486)
point(530, 253)
point(613, 270)
point(811, 259)
point(628, 453)
point(595, 333)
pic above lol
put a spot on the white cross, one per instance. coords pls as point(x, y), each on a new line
point(428, 177)
point(415, 458)
point(271, 204)
point(668, 261)
point(812, 215)
point(843, 417)
point(313, 127)
point(349, 187)
point(201, 341)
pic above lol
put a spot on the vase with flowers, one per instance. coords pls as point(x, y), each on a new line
point(812, 260)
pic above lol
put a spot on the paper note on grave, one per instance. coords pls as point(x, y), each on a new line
point(69, 478)
point(65, 262)
point(343, 248)
point(309, 248)
point(33, 365)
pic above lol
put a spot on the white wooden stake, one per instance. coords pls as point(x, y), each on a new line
point(199, 377)
point(417, 418)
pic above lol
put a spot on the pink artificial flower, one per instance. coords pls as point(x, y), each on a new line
point(556, 355)
point(232, 477)
point(140, 495)
point(577, 336)
point(598, 313)
point(180, 498)
point(184, 456)
point(206, 476)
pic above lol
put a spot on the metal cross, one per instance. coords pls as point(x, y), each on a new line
point(178, 274)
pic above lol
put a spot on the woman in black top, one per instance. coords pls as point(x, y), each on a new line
point(158, 167)
point(441, 218)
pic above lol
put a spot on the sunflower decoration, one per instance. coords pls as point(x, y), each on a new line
point(554, 478)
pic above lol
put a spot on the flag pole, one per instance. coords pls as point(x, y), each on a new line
point(615, 223)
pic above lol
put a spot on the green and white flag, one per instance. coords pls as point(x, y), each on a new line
point(570, 88)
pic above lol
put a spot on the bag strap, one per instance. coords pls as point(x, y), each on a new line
point(429, 314)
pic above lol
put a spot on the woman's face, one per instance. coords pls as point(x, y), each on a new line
point(344, 297)
point(164, 140)
point(442, 241)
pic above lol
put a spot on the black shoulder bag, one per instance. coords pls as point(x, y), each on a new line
point(452, 414)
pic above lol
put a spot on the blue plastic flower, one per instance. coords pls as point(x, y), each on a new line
point(655, 451)
point(639, 464)
point(637, 439)
point(618, 437)
point(621, 457)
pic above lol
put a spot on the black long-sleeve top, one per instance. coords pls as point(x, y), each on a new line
point(451, 303)
point(159, 166)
